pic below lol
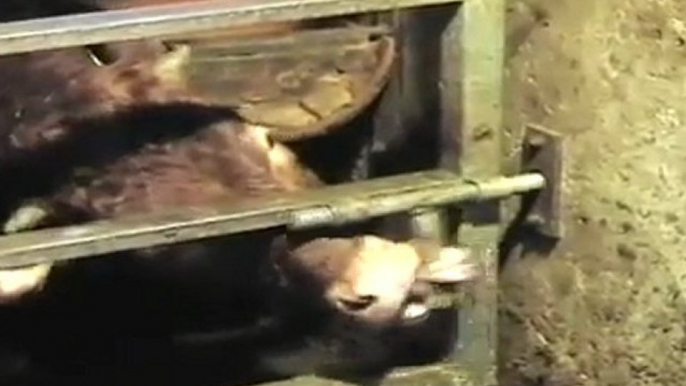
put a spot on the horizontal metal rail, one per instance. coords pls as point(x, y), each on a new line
point(331, 205)
point(152, 22)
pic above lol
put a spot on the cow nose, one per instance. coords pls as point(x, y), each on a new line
point(357, 303)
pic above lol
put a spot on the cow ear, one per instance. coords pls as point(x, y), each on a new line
point(451, 265)
point(171, 66)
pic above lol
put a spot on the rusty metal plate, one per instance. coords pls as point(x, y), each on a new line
point(301, 84)
point(542, 152)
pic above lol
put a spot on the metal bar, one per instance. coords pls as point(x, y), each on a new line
point(429, 223)
point(427, 375)
point(331, 205)
point(300, 40)
point(477, 90)
point(152, 22)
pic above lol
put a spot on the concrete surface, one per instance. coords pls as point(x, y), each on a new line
point(607, 307)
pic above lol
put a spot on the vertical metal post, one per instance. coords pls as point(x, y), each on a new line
point(463, 86)
point(429, 223)
point(472, 91)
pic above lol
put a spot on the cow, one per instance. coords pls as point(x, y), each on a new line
point(82, 140)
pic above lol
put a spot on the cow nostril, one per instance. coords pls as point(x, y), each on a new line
point(357, 303)
point(270, 142)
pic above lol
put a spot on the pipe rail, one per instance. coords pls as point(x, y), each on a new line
point(332, 205)
point(155, 21)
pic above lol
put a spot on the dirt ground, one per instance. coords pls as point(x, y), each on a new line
point(607, 307)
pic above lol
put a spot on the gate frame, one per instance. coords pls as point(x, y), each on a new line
point(471, 92)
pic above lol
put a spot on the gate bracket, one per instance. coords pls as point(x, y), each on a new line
point(542, 152)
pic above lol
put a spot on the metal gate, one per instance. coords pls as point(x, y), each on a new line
point(470, 64)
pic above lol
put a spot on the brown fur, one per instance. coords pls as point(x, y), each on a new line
point(41, 91)
point(219, 163)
